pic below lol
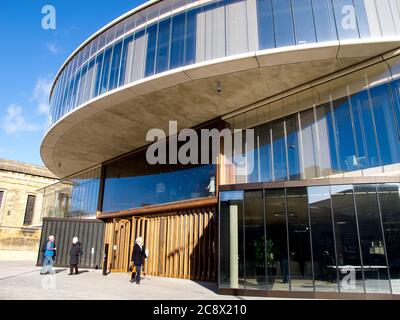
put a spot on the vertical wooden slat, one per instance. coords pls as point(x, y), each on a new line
point(149, 243)
point(158, 245)
point(181, 243)
point(191, 237)
point(171, 253)
point(186, 247)
point(205, 247)
point(147, 237)
point(195, 244)
point(200, 244)
point(176, 251)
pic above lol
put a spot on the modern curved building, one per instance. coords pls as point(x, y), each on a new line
point(316, 210)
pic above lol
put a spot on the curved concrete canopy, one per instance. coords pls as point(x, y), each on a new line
point(118, 121)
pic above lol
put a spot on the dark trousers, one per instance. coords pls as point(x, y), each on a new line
point(72, 267)
point(137, 278)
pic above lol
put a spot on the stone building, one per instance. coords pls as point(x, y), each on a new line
point(20, 208)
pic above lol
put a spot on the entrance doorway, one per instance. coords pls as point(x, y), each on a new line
point(120, 245)
point(179, 245)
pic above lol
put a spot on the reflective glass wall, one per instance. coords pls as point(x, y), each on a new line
point(134, 183)
point(349, 126)
point(73, 197)
point(175, 33)
point(337, 239)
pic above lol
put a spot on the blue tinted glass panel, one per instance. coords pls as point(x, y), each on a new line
point(388, 136)
point(253, 156)
point(303, 21)
point(116, 60)
point(163, 46)
point(266, 34)
point(105, 70)
point(344, 135)
point(177, 57)
point(190, 37)
point(324, 20)
point(395, 88)
point(293, 152)
point(89, 81)
point(362, 18)
point(126, 187)
point(368, 153)
point(330, 165)
point(283, 23)
point(124, 60)
point(346, 19)
point(97, 75)
point(151, 49)
point(265, 152)
point(279, 151)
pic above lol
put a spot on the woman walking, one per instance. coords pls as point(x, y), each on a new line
point(74, 255)
point(138, 256)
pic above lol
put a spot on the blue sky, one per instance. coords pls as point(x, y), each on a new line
point(31, 56)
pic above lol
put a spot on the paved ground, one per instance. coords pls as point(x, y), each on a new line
point(21, 280)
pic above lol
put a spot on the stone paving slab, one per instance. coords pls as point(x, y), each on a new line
point(21, 280)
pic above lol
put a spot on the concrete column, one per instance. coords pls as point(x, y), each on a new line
point(234, 246)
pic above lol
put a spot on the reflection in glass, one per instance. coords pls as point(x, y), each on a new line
point(309, 144)
point(389, 200)
point(279, 151)
point(300, 264)
point(344, 135)
point(255, 263)
point(134, 183)
point(323, 240)
point(265, 20)
point(346, 19)
point(324, 20)
point(371, 239)
point(347, 243)
point(231, 252)
point(163, 45)
point(277, 250)
point(303, 21)
point(293, 150)
point(385, 124)
point(284, 35)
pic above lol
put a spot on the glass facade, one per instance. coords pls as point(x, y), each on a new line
point(73, 197)
point(338, 238)
point(134, 183)
point(175, 33)
point(345, 127)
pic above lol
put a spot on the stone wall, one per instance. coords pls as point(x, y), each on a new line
point(17, 182)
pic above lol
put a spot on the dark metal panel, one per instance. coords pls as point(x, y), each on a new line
point(86, 243)
point(90, 233)
point(91, 238)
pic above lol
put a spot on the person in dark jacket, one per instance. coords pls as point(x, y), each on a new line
point(74, 255)
point(49, 250)
point(138, 256)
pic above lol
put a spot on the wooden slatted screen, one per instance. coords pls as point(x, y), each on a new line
point(180, 244)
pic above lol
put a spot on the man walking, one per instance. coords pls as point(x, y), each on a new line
point(49, 253)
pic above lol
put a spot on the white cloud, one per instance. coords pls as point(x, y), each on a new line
point(53, 48)
point(15, 122)
point(41, 94)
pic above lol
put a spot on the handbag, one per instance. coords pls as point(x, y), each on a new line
point(132, 268)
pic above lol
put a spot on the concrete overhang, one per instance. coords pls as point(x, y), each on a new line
point(117, 122)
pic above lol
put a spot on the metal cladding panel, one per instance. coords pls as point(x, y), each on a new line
point(89, 232)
